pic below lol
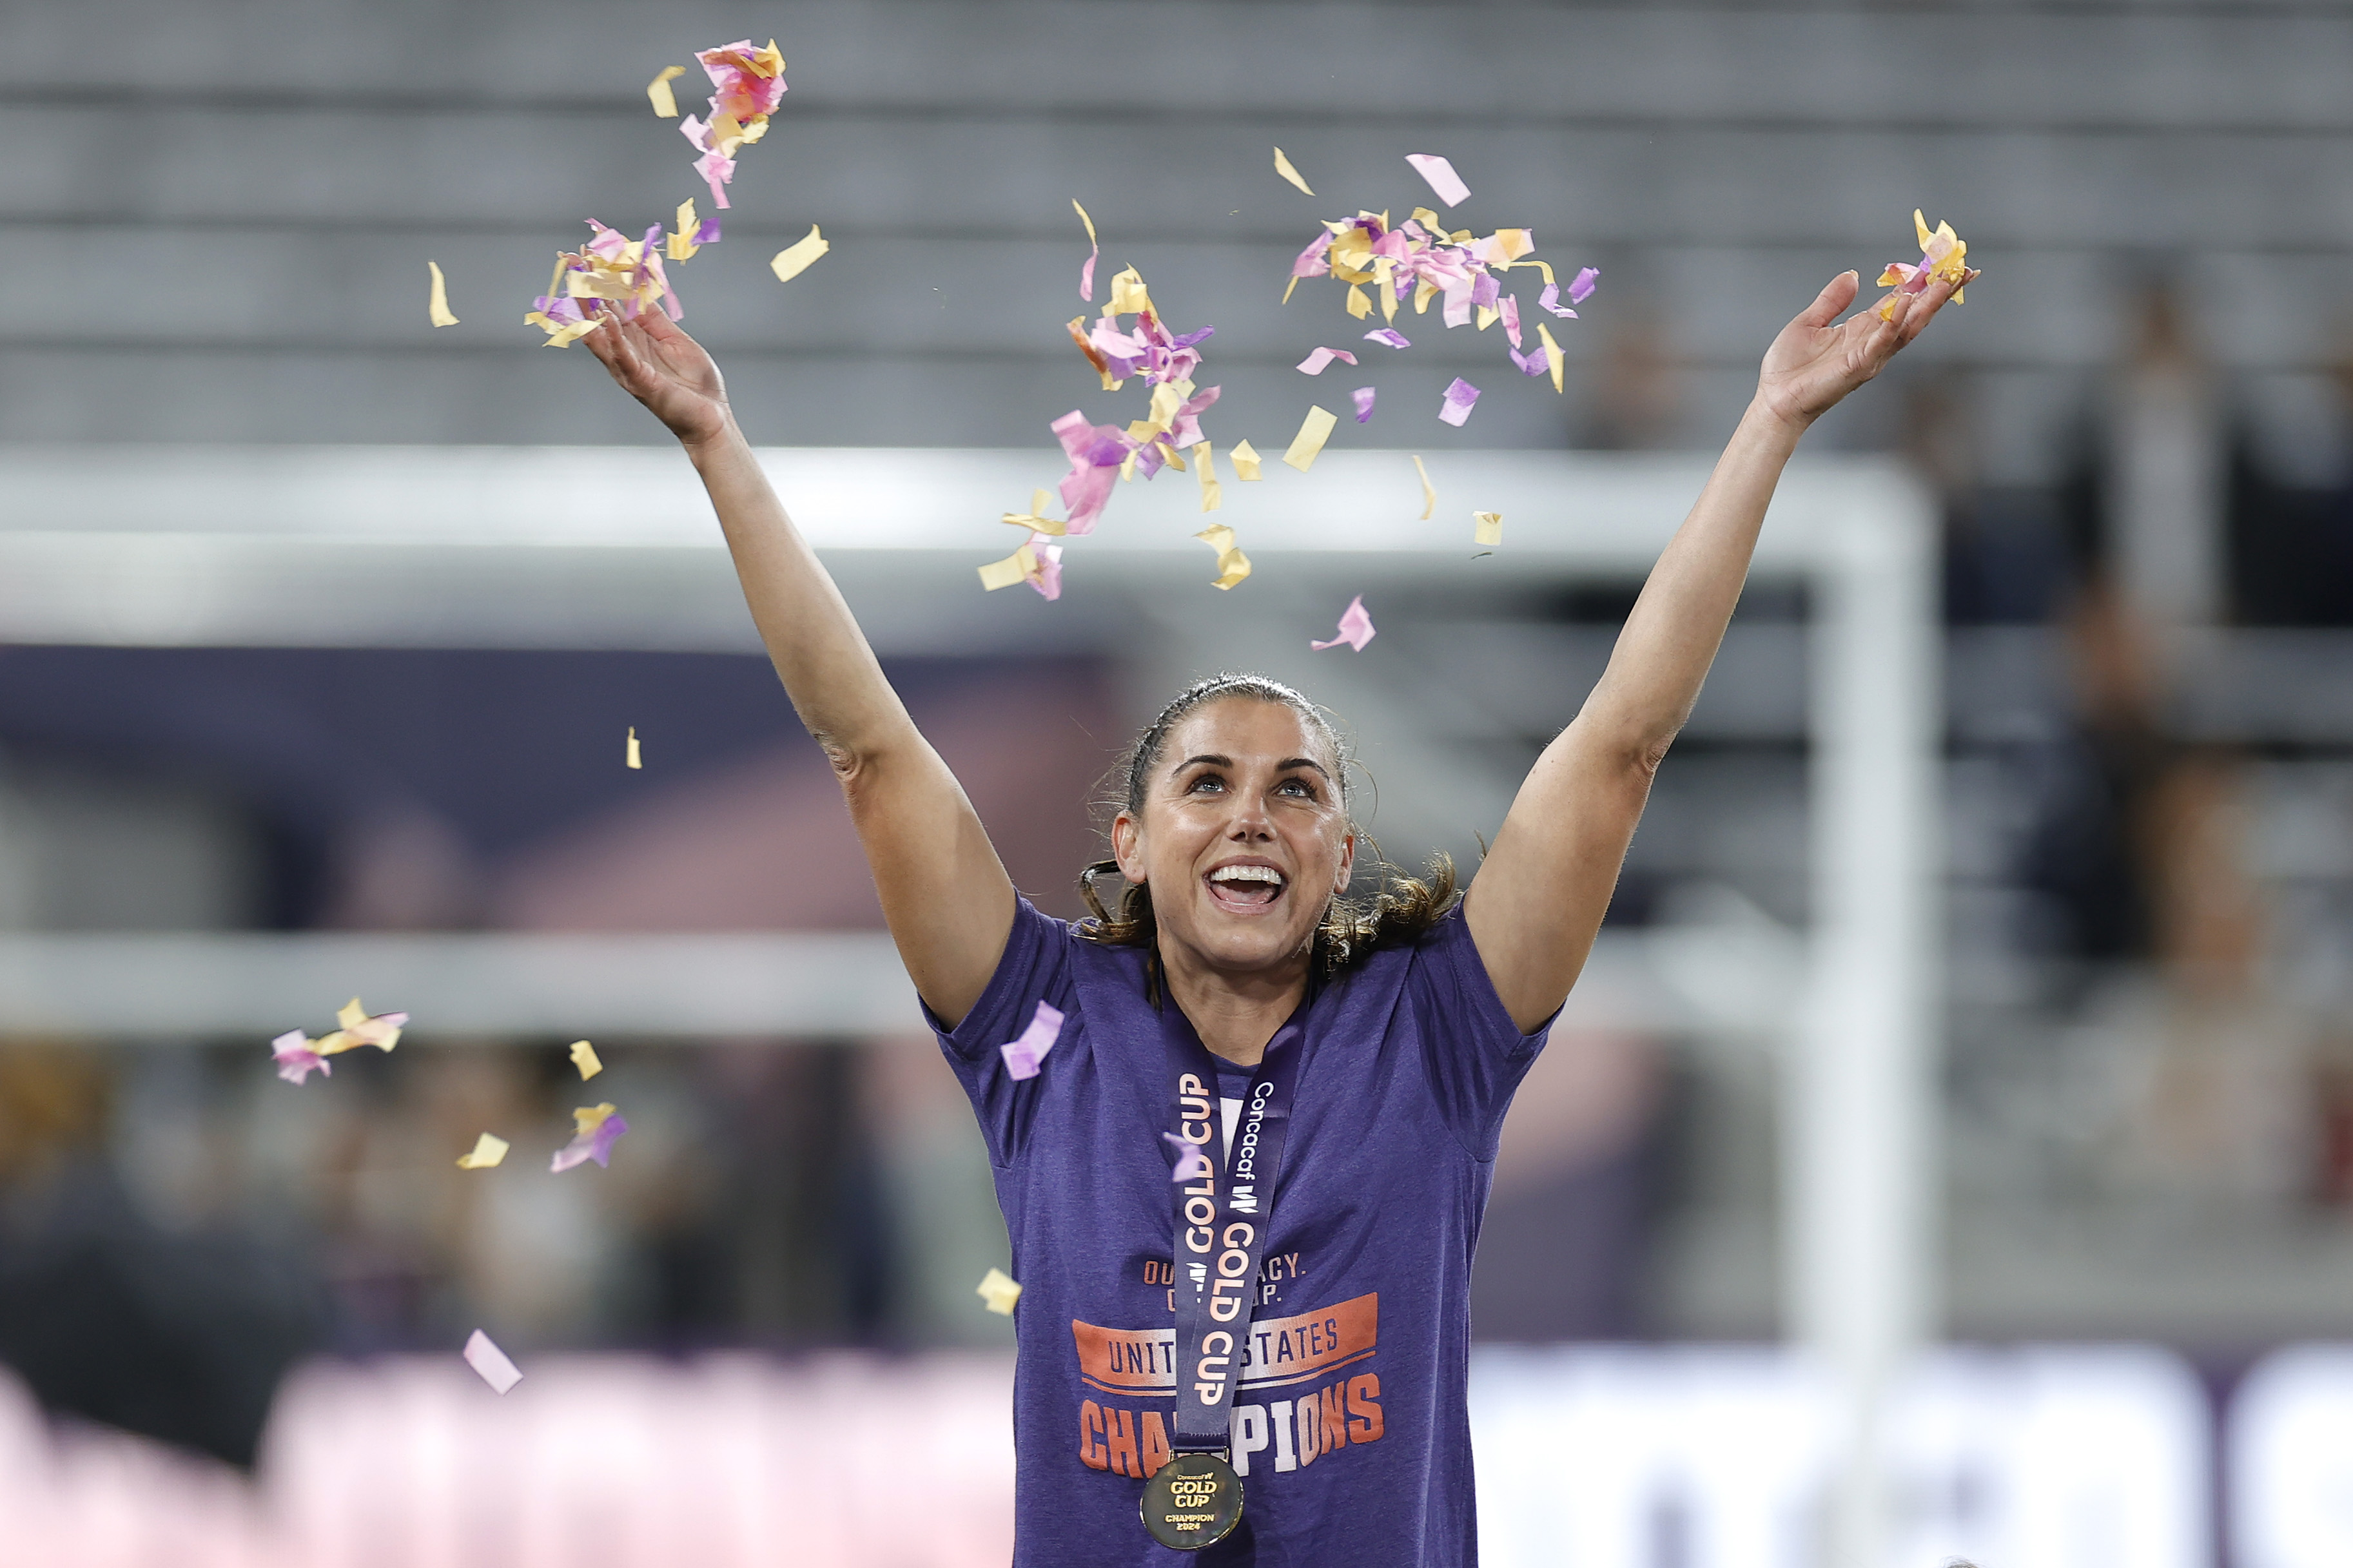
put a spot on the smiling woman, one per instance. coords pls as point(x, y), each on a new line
point(1244, 1186)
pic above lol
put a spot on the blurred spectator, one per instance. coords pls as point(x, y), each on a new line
point(2291, 546)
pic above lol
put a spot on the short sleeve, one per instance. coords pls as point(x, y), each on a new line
point(1473, 1053)
point(1034, 968)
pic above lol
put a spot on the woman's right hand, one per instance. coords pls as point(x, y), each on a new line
point(657, 364)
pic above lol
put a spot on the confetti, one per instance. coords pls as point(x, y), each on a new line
point(1212, 494)
point(1015, 568)
point(665, 102)
point(1245, 459)
point(1441, 177)
point(751, 84)
point(1459, 396)
point(1390, 336)
point(598, 1127)
point(1022, 1055)
point(437, 298)
point(1580, 288)
point(633, 757)
point(794, 259)
point(1313, 431)
point(998, 1290)
point(489, 1149)
point(1094, 252)
point(295, 1058)
point(1428, 491)
point(626, 274)
point(1191, 1163)
point(1102, 455)
point(1283, 166)
point(1314, 363)
point(689, 235)
point(1488, 529)
point(492, 1362)
point(1363, 397)
point(1943, 258)
point(1232, 564)
point(359, 1030)
point(1552, 353)
point(1036, 519)
point(1356, 627)
point(584, 1057)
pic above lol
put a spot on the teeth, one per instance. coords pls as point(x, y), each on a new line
point(1247, 874)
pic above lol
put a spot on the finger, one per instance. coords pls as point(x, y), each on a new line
point(1925, 306)
point(1836, 295)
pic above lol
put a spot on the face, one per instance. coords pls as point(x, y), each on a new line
point(1242, 838)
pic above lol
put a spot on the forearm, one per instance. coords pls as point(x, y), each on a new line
point(835, 684)
point(1672, 636)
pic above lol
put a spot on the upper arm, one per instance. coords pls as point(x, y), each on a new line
point(1537, 901)
point(944, 893)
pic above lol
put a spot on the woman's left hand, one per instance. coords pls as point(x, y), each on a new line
point(1812, 363)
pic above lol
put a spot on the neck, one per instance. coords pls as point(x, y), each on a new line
point(1235, 1015)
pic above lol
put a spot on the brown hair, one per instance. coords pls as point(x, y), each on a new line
point(1400, 912)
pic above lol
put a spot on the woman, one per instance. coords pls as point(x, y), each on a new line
point(1305, 1356)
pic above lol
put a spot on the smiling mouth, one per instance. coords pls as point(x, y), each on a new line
point(1245, 887)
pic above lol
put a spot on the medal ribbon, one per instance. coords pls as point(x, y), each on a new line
point(1222, 1222)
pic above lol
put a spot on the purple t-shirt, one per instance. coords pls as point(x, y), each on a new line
point(1349, 1428)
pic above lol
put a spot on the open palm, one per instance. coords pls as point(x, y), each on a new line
point(1813, 364)
point(657, 364)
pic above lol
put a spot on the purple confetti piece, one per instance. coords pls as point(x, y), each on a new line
point(1191, 1163)
point(1581, 289)
point(1511, 313)
point(1458, 399)
point(1022, 1055)
point(1390, 336)
point(1441, 177)
point(1550, 299)
point(1356, 627)
point(492, 1363)
point(1363, 397)
point(708, 234)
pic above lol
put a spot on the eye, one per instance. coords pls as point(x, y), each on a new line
point(1301, 788)
point(1203, 783)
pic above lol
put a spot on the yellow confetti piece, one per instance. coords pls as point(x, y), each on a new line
point(1360, 304)
point(664, 102)
point(1313, 431)
point(1245, 459)
point(998, 1290)
point(1486, 318)
point(1429, 490)
point(489, 1149)
point(584, 1057)
point(1490, 529)
point(1127, 293)
point(1552, 354)
point(1283, 166)
point(437, 298)
point(1423, 293)
point(1212, 494)
point(587, 1118)
point(1035, 520)
point(633, 758)
point(1232, 564)
point(794, 259)
point(359, 1029)
point(1086, 220)
point(1014, 568)
point(680, 247)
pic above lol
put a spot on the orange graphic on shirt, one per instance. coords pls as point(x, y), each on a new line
point(1280, 1350)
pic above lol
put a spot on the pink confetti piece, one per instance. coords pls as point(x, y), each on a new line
point(1390, 336)
point(1191, 1163)
point(1459, 400)
point(1441, 177)
point(295, 1058)
point(1363, 399)
point(1356, 627)
point(1023, 1056)
point(1049, 556)
point(1094, 254)
point(1314, 363)
point(1510, 310)
point(492, 1362)
point(599, 1130)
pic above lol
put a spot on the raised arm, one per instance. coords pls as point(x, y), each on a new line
point(1537, 903)
point(944, 893)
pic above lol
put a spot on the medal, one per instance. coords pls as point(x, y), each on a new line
point(1193, 1500)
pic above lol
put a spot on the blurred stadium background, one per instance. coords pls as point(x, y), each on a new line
point(323, 628)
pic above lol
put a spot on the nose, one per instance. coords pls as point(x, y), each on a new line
point(1250, 823)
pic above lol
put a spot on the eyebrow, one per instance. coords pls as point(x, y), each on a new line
point(1283, 766)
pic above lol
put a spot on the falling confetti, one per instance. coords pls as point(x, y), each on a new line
point(1489, 527)
point(1094, 253)
point(1313, 431)
point(795, 259)
point(751, 84)
point(1943, 258)
point(665, 102)
point(489, 1149)
point(633, 757)
point(1245, 459)
point(1356, 627)
point(1429, 490)
point(998, 1290)
point(1459, 396)
point(1441, 177)
point(584, 1057)
point(1232, 564)
point(437, 298)
point(1363, 397)
point(1023, 1056)
point(599, 1127)
point(1283, 166)
point(1314, 363)
point(492, 1362)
